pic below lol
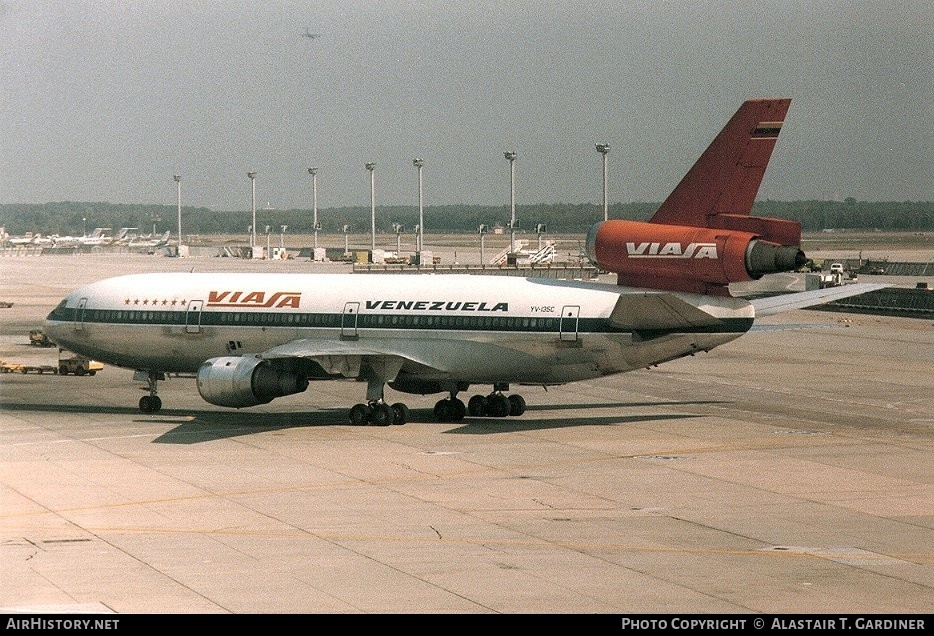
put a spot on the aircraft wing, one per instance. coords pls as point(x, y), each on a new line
point(799, 300)
point(444, 356)
point(652, 311)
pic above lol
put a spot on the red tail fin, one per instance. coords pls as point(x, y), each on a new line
point(719, 190)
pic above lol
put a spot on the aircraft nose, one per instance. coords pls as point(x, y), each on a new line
point(55, 325)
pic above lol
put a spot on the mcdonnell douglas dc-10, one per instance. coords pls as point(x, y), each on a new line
point(251, 338)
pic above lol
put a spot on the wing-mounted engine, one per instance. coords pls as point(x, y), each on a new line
point(247, 381)
point(689, 259)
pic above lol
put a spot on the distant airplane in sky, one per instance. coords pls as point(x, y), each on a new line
point(311, 36)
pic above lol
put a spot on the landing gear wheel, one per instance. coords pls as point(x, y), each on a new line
point(442, 411)
point(381, 415)
point(477, 406)
point(150, 404)
point(459, 410)
point(359, 414)
point(450, 410)
point(400, 413)
point(498, 405)
point(516, 404)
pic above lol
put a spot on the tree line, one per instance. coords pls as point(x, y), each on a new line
point(70, 218)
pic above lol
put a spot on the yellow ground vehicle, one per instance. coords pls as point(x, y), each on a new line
point(78, 366)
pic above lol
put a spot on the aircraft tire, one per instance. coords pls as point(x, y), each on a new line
point(442, 411)
point(150, 404)
point(458, 410)
point(516, 404)
point(497, 405)
point(400, 413)
point(359, 414)
point(476, 406)
point(381, 415)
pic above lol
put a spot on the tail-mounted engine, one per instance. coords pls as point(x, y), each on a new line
point(245, 381)
point(691, 259)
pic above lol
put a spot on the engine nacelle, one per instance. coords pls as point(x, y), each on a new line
point(682, 258)
point(246, 381)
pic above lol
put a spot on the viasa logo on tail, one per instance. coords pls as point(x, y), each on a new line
point(671, 250)
point(251, 299)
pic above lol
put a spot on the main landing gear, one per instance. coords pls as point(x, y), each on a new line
point(151, 403)
point(493, 405)
point(450, 409)
point(378, 413)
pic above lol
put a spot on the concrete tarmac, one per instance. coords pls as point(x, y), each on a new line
point(786, 472)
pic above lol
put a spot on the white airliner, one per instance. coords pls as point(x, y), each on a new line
point(251, 338)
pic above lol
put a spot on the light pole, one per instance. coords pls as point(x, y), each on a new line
point(178, 183)
point(418, 163)
point(482, 231)
point(314, 202)
point(346, 230)
point(252, 176)
point(540, 229)
point(603, 149)
point(266, 255)
point(399, 229)
point(511, 157)
point(372, 168)
point(84, 226)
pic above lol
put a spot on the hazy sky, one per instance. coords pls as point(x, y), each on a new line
point(106, 100)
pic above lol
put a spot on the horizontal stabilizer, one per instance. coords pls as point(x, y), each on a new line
point(800, 300)
point(658, 311)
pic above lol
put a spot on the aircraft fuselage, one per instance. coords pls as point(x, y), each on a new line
point(473, 329)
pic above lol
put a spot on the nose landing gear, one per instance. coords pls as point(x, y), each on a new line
point(150, 403)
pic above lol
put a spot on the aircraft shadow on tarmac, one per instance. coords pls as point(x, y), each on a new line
point(205, 427)
point(197, 426)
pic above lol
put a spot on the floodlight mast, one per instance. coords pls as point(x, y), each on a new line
point(604, 149)
point(418, 163)
point(372, 168)
point(511, 157)
point(252, 176)
point(314, 202)
point(178, 183)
